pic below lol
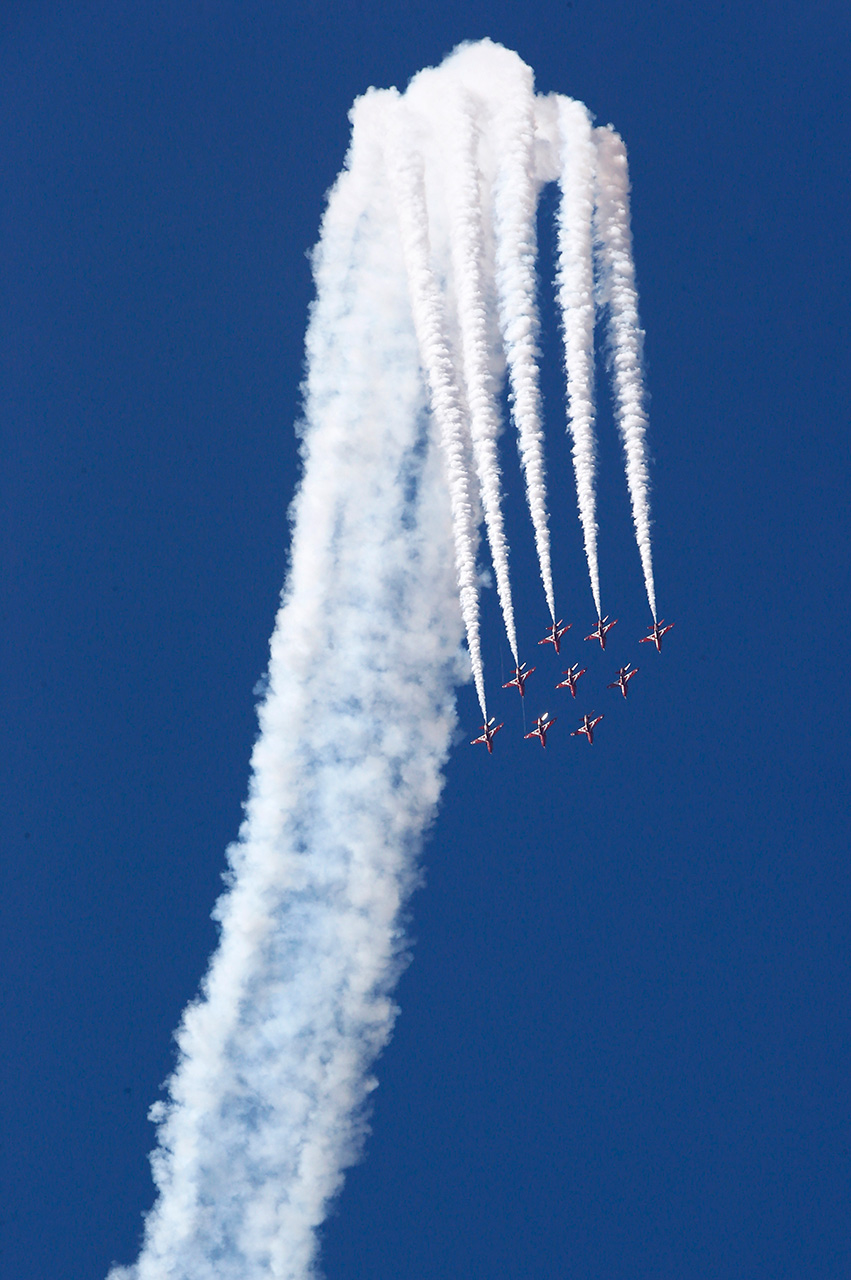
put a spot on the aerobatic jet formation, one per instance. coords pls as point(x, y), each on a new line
point(587, 727)
point(599, 633)
point(518, 680)
point(556, 633)
point(487, 735)
point(654, 635)
point(542, 727)
point(572, 675)
point(624, 677)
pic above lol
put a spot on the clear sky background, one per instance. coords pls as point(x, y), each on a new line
point(624, 1047)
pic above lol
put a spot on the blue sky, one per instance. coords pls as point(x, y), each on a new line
point(624, 1041)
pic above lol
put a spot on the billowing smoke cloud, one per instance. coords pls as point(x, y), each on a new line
point(425, 291)
point(267, 1101)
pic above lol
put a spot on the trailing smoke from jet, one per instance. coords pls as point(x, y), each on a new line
point(515, 200)
point(618, 294)
point(575, 287)
point(425, 295)
point(407, 182)
point(462, 134)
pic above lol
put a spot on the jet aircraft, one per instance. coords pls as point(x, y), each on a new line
point(518, 680)
point(587, 728)
point(542, 727)
point(572, 676)
point(624, 677)
point(486, 736)
point(599, 632)
point(556, 633)
point(654, 636)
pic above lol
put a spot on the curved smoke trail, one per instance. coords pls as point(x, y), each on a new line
point(575, 287)
point(266, 1106)
point(626, 337)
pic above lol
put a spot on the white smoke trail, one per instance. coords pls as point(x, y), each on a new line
point(575, 286)
point(407, 182)
point(266, 1105)
point(626, 338)
point(467, 240)
point(267, 1101)
point(515, 204)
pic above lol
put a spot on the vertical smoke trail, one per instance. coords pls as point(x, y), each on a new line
point(515, 204)
point(626, 338)
point(407, 181)
point(468, 258)
point(575, 288)
point(266, 1104)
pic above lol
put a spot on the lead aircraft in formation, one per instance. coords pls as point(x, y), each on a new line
point(545, 722)
point(599, 633)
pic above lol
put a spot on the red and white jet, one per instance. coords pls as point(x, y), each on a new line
point(542, 727)
point(587, 728)
point(556, 633)
point(518, 680)
point(599, 632)
point(486, 736)
point(572, 676)
point(655, 634)
point(624, 677)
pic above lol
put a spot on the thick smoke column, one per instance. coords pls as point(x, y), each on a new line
point(618, 294)
point(266, 1104)
point(425, 289)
